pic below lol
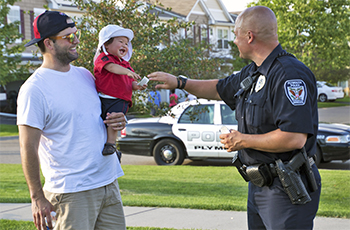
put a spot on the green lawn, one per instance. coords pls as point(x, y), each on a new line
point(210, 188)
point(339, 102)
point(8, 130)
point(28, 225)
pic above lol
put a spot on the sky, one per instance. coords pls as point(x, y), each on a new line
point(236, 5)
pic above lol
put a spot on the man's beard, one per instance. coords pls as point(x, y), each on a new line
point(64, 56)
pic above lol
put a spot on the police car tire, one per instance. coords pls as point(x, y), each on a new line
point(322, 97)
point(318, 156)
point(170, 146)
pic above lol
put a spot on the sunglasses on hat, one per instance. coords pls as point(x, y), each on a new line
point(69, 37)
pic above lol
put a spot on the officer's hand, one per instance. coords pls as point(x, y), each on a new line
point(232, 141)
point(169, 81)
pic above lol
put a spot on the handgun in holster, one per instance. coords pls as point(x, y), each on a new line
point(240, 166)
point(291, 180)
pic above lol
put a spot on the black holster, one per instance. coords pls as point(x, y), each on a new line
point(291, 179)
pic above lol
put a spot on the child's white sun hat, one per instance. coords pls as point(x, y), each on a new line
point(111, 31)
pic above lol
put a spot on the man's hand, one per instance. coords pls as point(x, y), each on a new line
point(232, 141)
point(169, 81)
point(41, 208)
point(115, 120)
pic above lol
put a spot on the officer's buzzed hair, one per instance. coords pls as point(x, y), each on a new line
point(261, 20)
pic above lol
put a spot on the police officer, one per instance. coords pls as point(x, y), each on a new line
point(275, 99)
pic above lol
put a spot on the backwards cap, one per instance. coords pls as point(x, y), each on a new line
point(48, 24)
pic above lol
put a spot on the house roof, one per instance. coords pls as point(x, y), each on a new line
point(180, 7)
point(214, 9)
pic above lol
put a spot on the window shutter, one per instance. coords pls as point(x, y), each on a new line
point(22, 24)
point(31, 15)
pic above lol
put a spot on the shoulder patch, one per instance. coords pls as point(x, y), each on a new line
point(296, 91)
point(104, 58)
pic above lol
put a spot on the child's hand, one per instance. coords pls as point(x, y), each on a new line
point(135, 86)
point(142, 87)
point(135, 76)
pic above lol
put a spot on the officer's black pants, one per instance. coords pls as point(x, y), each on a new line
point(271, 208)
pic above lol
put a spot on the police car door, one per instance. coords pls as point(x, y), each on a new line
point(228, 119)
point(197, 131)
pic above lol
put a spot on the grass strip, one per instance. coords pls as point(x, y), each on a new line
point(209, 188)
point(8, 130)
point(29, 225)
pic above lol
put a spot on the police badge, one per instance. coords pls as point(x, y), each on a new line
point(260, 83)
point(296, 91)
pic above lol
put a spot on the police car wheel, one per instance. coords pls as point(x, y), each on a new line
point(168, 152)
point(318, 155)
point(322, 98)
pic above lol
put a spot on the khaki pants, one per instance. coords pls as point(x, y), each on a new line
point(100, 208)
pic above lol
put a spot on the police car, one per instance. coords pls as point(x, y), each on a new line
point(192, 131)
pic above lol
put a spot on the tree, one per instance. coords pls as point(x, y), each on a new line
point(317, 32)
point(237, 62)
point(152, 48)
point(176, 57)
point(10, 53)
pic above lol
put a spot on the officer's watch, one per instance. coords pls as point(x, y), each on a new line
point(181, 81)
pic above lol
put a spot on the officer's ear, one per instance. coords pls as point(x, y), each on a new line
point(250, 36)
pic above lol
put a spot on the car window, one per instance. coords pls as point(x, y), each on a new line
point(228, 116)
point(198, 114)
point(329, 84)
point(2, 89)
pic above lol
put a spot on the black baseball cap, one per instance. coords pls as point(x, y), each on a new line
point(48, 24)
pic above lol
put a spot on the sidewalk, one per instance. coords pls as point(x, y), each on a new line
point(177, 218)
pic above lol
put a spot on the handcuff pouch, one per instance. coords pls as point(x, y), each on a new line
point(260, 175)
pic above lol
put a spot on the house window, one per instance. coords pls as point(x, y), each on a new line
point(38, 11)
point(204, 34)
point(222, 39)
point(14, 15)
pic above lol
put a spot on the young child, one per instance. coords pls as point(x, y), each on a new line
point(173, 98)
point(115, 79)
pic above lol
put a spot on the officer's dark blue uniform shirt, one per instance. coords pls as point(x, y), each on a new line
point(284, 97)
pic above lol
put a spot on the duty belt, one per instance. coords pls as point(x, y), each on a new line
point(264, 174)
point(274, 173)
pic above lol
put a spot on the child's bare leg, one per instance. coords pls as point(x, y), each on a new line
point(111, 135)
point(110, 146)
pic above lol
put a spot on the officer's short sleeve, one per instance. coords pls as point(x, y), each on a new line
point(294, 102)
point(227, 88)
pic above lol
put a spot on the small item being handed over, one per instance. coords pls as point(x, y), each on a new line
point(143, 81)
point(224, 130)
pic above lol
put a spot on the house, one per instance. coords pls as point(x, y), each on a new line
point(213, 23)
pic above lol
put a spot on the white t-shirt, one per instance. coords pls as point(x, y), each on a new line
point(66, 107)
